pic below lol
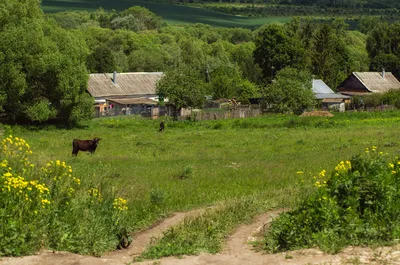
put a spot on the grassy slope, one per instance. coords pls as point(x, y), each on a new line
point(171, 13)
point(241, 158)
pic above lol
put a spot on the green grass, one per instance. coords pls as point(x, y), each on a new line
point(174, 14)
point(227, 159)
point(240, 158)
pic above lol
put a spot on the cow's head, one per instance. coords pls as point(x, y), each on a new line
point(96, 140)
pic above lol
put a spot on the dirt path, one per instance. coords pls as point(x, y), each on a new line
point(237, 251)
point(238, 243)
point(119, 257)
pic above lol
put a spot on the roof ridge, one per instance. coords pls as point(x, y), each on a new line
point(359, 79)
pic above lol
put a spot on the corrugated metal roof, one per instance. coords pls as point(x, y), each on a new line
point(375, 82)
point(319, 87)
point(134, 101)
point(331, 95)
point(322, 90)
point(127, 84)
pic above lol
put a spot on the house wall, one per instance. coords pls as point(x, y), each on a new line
point(334, 106)
point(352, 84)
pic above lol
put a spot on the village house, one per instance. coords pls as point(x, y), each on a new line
point(327, 98)
point(130, 93)
point(361, 83)
point(125, 93)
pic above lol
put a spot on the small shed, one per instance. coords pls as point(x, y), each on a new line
point(329, 99)
point(361, 83)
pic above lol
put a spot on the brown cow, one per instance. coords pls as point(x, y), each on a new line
point(84, 145)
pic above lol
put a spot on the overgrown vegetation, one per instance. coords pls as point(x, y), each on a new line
point(338, 9)
point(356, 204)
point(49, 206)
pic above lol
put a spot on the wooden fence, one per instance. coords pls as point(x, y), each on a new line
point(242, 112)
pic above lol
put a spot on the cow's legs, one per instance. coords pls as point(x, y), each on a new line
point(75, 152)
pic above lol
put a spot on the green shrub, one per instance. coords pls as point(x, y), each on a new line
point(358, 204)
point(48, 206)
point(373, 100)
point(157, 196)
point(41, 111)
point(187, 172)
point(392, 97)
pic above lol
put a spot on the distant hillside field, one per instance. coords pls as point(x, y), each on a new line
point(173, 14)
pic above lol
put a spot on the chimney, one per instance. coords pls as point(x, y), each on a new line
point(383, 73)
point(115, 77)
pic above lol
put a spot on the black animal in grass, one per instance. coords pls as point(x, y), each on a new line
point(84, 145)
point(162, 127)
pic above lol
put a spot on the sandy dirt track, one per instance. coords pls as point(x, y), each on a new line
point(237, 251)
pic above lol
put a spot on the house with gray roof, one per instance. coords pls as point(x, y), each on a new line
point(361, 83)
point(327, 98)
point(125, 93)
point(124, 85)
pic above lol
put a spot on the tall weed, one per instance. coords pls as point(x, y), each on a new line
point(357, 204)
point(48, 206)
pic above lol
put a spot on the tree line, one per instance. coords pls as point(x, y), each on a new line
point(45, 59)
point(319, 3)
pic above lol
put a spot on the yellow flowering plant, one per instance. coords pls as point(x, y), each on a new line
point(357, 203)
point(49, 206)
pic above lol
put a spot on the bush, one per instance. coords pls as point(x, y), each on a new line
point(157, 196)
point(392, 97)
point(41, 111)
point(358, 204)
point(187, 172)
point(48, 206)
point(373, 100)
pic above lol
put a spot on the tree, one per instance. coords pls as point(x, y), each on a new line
point(275, 50)
point(388, 62)
point(329, 56)
point(135, 18)
point(42, 66)
point(101, 60)
point(378, 40)
point(358, 55)
point(183, 87)
point(290, 91)
point(383, 45)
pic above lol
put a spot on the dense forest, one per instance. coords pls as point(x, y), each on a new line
point(45, 59)
point(319, 3)
point(321, 8)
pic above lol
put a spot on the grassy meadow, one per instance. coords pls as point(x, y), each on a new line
point(242, 166)
point(194, 164)
point(174, 14)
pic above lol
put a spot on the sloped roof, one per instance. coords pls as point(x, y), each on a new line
point(127, 84)
point(319, 87)
point(322, 90)
point(374, 81)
